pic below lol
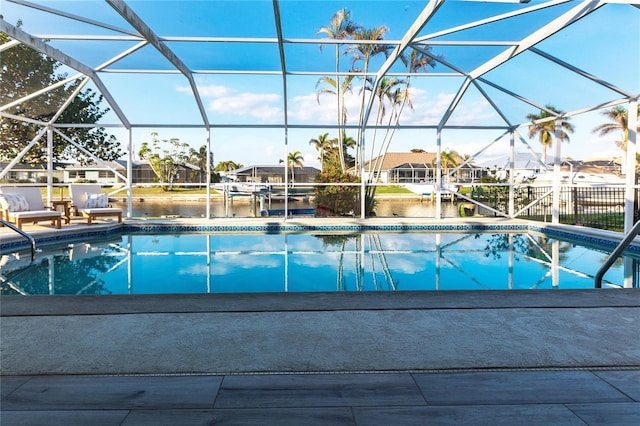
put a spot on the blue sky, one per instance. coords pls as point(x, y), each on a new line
point(605, 44)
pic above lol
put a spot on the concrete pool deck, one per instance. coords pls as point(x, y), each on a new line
point(464, 357)
point(470, 357)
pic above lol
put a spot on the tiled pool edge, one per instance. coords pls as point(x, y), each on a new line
point(591, 236)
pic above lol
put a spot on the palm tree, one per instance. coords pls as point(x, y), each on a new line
point(340, 27)
point(363, 52)
point(619, 120)
point(199, 158)
point(331, 87)
point(398, 97)
point(227, 166)
point(546, 129)
point(449, 158)
point(387, 90)
point(396, 93)
point(323, 145)
point(391, 91)
point(328, 85)
point(294, 159)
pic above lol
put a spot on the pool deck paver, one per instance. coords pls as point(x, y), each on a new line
point(495, 358)
point(503, 398)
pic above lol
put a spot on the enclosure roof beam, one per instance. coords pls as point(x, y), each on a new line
point(490, 20)
point(122, 55)
point(39, 92)
point(136, 22)
point(581, 72)
point(72, 16)
point(283, 64)
point(8, 45)
point(55, 54)
point(573, 15)
point(512, 94)
point(454, 103)
point(408, 37)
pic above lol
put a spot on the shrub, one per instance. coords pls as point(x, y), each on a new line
point(337, 200)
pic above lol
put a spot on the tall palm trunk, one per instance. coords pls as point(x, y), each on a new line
point(340, 119)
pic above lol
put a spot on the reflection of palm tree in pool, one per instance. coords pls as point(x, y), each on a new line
point(499, 243)
point(377, 244)
point(535, 247)
point(375, 249)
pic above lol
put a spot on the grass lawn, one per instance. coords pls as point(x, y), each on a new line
point(392, 190)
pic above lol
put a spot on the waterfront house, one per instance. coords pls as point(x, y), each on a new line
point(30, 172)
point(272, 174)
point(416, 167)
point(142, 172)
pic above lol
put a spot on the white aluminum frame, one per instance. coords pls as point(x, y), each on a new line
point(144, 35)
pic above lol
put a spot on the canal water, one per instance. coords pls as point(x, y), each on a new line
point(242, 207)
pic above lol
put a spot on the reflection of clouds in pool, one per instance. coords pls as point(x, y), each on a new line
point(223, 265)
point(316, 260)
point(409, 264)
point(406, 253)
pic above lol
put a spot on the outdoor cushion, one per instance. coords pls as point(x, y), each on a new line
point(96, 201)
point(43, 214)
point(14, 202)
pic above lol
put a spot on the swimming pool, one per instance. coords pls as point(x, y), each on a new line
point(248, 262)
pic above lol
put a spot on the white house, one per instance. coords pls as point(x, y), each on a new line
point(415, 167)
point(34, 173)
point(95, 172)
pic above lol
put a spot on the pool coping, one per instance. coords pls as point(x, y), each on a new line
point(45, 237)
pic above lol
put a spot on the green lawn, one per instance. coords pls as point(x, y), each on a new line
point(392, 190)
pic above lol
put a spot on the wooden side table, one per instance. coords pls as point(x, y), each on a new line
point(66, 214)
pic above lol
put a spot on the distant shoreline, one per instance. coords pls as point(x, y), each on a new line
point(203, 197)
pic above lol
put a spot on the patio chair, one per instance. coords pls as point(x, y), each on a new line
point(88, 201)
point(23, 204)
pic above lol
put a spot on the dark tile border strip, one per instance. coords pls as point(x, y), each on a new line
point(578, 235)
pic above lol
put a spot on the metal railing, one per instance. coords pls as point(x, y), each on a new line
point(24, 234)
point(592, 206)
point(616, 253)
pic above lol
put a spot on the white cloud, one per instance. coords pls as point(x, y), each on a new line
point(261, 106)
point(211, 90)
point(266, 107)
point(243, 105)
point(306, 108)
point(233, 263)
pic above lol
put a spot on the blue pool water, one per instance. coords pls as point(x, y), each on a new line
point(302, 262)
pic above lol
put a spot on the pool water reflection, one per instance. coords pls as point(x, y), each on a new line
point(294, 262)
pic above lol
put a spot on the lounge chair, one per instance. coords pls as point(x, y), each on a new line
point(23, 204)
point(88, 201)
